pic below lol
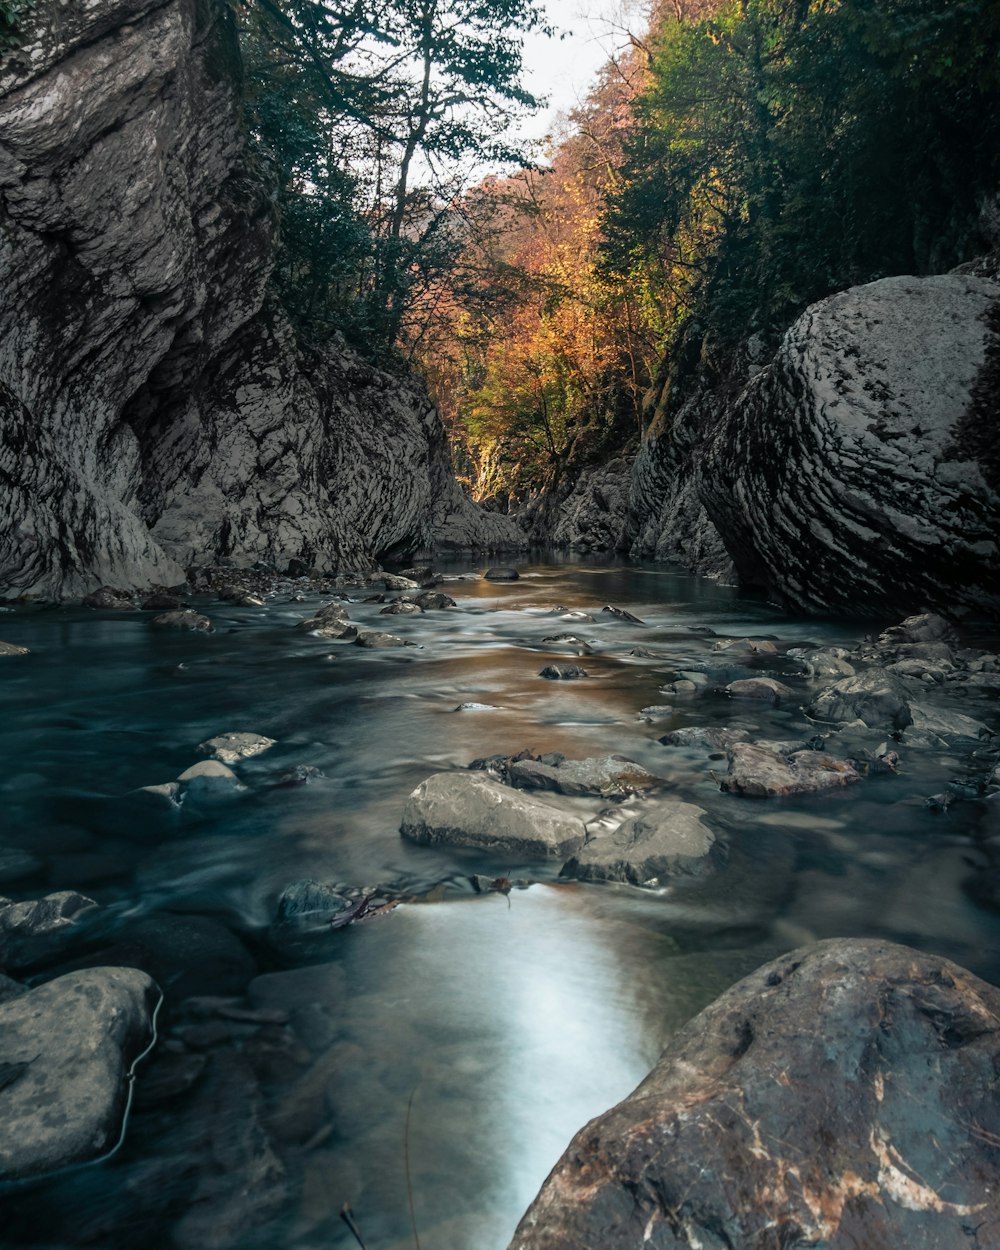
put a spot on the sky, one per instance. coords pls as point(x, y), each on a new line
point(563, 69)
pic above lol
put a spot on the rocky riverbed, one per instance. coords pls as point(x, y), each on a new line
point(373, 889)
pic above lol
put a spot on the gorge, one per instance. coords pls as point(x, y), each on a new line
point(338, 883)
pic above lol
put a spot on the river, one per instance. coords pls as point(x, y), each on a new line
point(429, 1065)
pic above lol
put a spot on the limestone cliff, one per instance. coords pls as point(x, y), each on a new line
point(155, 407)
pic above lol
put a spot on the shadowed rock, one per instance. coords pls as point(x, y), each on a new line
point(605, 774)
point(66, 1049)
point(841, 1096)
point(767, 689)
point(877, 697)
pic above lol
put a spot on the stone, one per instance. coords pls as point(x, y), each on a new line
point(162, 603)
point(402, 607)
point(704, 736)
point(622, 614)
point(333, 628)
point(470, 809)
point(825, 662)
point(231, 748)
point(376, 641)
point(476, 707)
point(943, 721)
point(658, 711)
point(824, 1100)
point(767, 689)
point(433, 600)
point(562, 672)
point(39, 917)
point(925, 627)
point(758, 772)
point(600, 775)
point(209, 781)
point(185, 619)
point(107, 598)
point(846, 475)
point(67, 1049)
point(752, 646)
point(877, 697)
point(309, 905)
point(12, 648)
point(499, 574)
point(665, 840)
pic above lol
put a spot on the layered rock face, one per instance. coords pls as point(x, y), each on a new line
point(155, 406)
point(846, 475)
point(854, 472)
point(841, 1096)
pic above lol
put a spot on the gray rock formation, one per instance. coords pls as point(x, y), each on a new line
point(155, 408)
point(846, 474)
point(649, 847)
point(760, 772)
point(66, 1050)
point(841, 1096)
point(471, 809)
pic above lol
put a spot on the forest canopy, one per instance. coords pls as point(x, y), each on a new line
point(738, 161)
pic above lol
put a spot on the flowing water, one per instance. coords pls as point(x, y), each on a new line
point(436, 1059)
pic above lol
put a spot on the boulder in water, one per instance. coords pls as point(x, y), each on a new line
point(231, 748)
point(842, 1096)
point(66, 1051)
point(562, 672)
point(185, 619)
point(473, 810)
point(503, 574)
point(664, 840)
point(759, 772)
point(877, 697)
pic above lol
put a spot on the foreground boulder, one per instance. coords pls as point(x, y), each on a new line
point(854, 473)
point(842, 1096)
point(66, 1052)
point(473, 810)
point(668, 839)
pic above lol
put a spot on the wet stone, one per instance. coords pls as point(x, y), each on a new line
point(108, 598)
point(374, 640)
point(767, 689)
point(661, 841)
point(562, 672)
point(758, 772)
point(12, 648)
point(231, 748)
point(185, 619)
point(501, 574)
point(402, 607)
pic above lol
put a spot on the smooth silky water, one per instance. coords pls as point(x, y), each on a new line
point(453, 1045)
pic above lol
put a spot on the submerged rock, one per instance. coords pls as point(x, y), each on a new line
point(66, 1051)
point(309, 905)
point(473, 810)
point(162, 603)
point(185, 619)
point(759, 772)
point(665, 840)
point(376, 641)
point(499, 574)
point(824, 1100)
point(563, 672)
point(209, 781)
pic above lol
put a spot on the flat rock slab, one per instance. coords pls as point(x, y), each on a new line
point(473, 810)
point(667, 839)
point(66, 1050)
point(759, 772)
point(231, 748)
point(12, 648)
point(842, 1096)
point(600, 775)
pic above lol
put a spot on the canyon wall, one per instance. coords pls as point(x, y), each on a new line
point(156, 409)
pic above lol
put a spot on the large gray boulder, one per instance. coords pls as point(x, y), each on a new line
point(664, 840)
point(759, 772)
point(66, 1052)
point(842, 1096)
point(879, 698)
point(473, 810)
point(156, 410)
point(845, 477)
